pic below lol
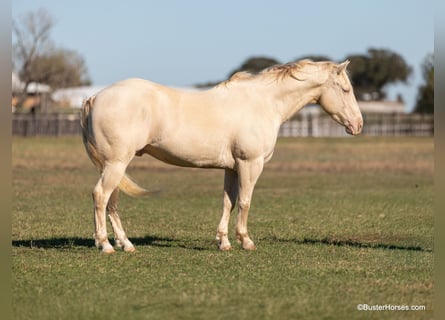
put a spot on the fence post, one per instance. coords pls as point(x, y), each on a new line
point(33, 122)
point(309, 125)
point(58, 126)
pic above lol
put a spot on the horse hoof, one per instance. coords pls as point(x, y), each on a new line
point(249, 246)
point(226, 247)
point(108, 251)
point(129, 249)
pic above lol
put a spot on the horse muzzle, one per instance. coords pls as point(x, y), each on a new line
point(354, 127)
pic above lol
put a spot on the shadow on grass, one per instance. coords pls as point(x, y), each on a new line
point(67, 243)
point(350, 243)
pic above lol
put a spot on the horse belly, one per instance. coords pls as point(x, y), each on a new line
point(185, 157)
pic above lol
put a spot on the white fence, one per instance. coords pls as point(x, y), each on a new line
point(305, 125)
point(321, 125)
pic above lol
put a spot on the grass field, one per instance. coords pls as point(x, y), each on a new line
point(337, 223)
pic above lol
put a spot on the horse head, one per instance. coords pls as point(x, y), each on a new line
point(338, 100)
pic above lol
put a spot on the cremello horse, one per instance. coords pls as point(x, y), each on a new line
point(232, 126)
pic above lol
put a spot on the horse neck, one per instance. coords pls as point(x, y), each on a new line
point(291, 98)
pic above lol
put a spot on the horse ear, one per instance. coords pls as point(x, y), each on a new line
point(342, 66)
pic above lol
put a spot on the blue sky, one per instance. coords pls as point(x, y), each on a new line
point(181, 43)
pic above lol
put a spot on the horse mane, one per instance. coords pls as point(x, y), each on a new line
point(240, 75)
point(281, 71)
point(277, 72)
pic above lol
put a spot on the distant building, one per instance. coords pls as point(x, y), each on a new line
point(366, 107)
point(382, 106)
point(74, 97)
point(36, 93)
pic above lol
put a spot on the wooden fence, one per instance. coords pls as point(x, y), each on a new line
point(306, 125)
point(45, 124)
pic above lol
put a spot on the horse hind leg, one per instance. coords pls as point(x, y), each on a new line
point(111, 176)
point(229, 199)
point(120, 238)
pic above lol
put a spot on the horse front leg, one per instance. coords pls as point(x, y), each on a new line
point(229, 199)
point(248, 172)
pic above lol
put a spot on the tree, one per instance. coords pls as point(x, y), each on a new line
point(31, 36)
point(255, 65)
point(60, 68)
point(37, 60)
point(370, 73)
point(425, 95)
point(314, 57)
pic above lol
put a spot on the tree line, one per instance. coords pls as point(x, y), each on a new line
point(37, 59)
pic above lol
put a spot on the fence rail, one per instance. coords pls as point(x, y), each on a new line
point(321, 125)
point(306, 125)
point(45, 124)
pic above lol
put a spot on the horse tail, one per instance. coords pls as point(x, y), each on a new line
point(127, 185)
point(131, 188)
point(88, 140)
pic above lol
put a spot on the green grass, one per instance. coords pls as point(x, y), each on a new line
point(337, 222)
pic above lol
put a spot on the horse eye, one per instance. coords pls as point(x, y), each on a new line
point(344, 87)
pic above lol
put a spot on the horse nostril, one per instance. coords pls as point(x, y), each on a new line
point(359, 125)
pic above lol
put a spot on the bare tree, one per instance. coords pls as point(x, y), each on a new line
point(37, 60)
point(31, 38)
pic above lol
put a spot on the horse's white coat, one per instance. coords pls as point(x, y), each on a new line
point(232, 126)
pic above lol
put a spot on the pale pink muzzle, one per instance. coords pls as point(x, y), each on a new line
point(355, 126)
